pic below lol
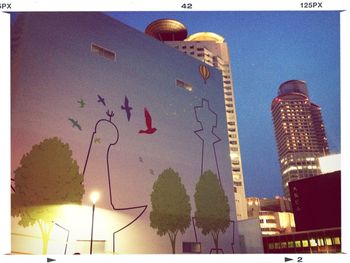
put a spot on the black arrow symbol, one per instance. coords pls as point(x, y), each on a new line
point(50, 259)
point(287, 259)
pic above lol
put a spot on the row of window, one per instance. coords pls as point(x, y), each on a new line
point(319, 242)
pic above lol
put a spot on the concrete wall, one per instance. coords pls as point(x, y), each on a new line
point(53, 67)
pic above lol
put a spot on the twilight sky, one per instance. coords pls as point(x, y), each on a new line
point(268, 48)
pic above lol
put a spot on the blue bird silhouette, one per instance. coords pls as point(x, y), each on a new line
point(102, 100)
point(127, 108)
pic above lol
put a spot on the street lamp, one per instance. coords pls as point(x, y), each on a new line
point(94, 198)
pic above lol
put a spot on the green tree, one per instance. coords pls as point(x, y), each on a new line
point(212, 208)
point(171, 208)
point(47, 178)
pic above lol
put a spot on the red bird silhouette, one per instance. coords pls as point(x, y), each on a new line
point(148, 119)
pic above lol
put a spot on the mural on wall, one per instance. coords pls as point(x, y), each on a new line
point(109, 123)
point(121, 143)
point(127, 108)
point(212, 209)
point(171, 208)
point(81, 103)
point(101, 100)
point(75, 123)
point(46, 178)
point(205, 73)
point(207, 119)
point(148, 120)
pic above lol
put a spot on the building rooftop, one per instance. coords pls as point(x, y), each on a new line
point(167, 30)
point(293, 86)
point(205, 36)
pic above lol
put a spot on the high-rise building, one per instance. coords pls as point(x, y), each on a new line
point(299, 131)
point(211, 49)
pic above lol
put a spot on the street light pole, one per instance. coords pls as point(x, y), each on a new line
point(94, 198)
point(92, 228)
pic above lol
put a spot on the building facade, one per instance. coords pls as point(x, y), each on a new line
point(299, 131)
point(129, 107)
point(211, 49)
point(275, 214)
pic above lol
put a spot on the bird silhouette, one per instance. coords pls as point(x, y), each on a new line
point(127, 108)
point(102, 100)
point(148, 119)
point(140, 159)
point(75, 123)
point(82, 103)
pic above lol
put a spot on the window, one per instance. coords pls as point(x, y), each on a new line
point(336, 240)
point(313, 242)
point(237, 183)
point(305, 243)
point(271, 246)
point(290, 244)
point(103, 52)
point(328, 241)
point(297, 243)
point(184, 85)
point(320, 242)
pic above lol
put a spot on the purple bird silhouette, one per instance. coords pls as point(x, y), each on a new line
point(148, 120)
point(102, 100)
point(127, 108)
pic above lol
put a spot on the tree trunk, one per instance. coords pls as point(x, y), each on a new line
point(45, 229)
point(173, 243)
point(215, 236)
point(172, 237)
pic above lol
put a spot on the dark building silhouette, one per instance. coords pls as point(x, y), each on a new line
point(316, 203)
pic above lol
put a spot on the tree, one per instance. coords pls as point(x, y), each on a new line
point(171, 208)
point(47, 178)
point(212, 209)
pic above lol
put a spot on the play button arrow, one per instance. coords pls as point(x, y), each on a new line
point(50, 259)
point(287, 259)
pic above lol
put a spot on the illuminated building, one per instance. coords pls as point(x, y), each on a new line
point(275, 214)
point(61, 59)
point(211, 49)
point(299, 132)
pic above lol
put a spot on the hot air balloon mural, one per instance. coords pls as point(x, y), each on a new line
point(205, 73)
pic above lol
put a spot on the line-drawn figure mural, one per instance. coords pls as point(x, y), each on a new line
point(107, 131)
point(207, 119)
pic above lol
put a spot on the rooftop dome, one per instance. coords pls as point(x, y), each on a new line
point(167, 30)
point(293, 86)
point(206, 36)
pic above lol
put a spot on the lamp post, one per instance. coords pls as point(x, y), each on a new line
point(94, 198)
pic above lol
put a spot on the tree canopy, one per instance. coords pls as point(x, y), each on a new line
point(46, 178)
point(212, 209)
point(171, 208)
